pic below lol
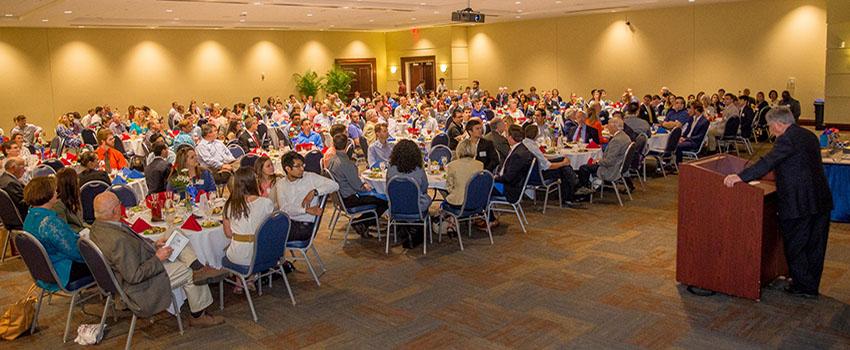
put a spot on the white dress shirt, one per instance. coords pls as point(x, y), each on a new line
point(290, 194)
point(213, 154)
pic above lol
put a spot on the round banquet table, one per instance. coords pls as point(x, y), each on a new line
point(139, 188)
point(838, 177)
point(657, 142)
point(379, 180)
point(577, 158)
point(423, 142)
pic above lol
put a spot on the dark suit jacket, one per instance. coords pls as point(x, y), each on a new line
point(137, 269)
point(515, 171)
point(453, 131)
point(15, 189)
point(156, 175)
point(500, 143)
point(247, 142)
point(89, 175)
point(800, 180)
point(700, 128)
point(590, 134)
point(487, 154)
point(647, 113)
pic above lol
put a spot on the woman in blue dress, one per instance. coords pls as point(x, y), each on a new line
point(199, 177)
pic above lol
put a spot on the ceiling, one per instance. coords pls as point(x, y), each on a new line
point(365, 15)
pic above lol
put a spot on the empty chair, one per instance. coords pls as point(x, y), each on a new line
point(439, 152)
point(11, 220)
point(89, 137)
point(440, 139)
point(41, 270)
point(87, 193)
point(108, 285)
point(263, 135)
point(269, 243)
point(43, 170)
point(236, 150)
point(633, 168)
point(119, 145)
point(406, 212)
point(730, 135)
point(501, 203)
point(476, 204)
point(125, 195)
point(313, 162)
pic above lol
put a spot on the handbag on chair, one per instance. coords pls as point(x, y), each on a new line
point(17, 319)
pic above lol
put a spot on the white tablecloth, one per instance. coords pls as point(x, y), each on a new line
point(576, 157)
point(139, 188)
point(134, 145)
point(436, 181)
point(657, 142)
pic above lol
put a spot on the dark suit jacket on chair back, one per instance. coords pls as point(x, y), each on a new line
point(514, 172)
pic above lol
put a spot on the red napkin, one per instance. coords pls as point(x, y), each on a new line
point(592, 145)
point(155, 197)
point(70, 156)
point(123, 211)
point(140, 225)
point(65, 161)
point(543, 149)
point(174, 133)
point(200, 193)
point(590, 161)
point(125, 137)
point(191, 224)
point(302, 146)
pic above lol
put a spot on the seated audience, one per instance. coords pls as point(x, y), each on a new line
point(609, 166)
point(185, 136)
point(496, 135)
point(485, 152)
point(158, 170)
point(406, 162)
point(297, 195)
point(244, 211)
point(380, 150)
point(634, 122)
point(716, 129)
point(111, 157)
point(369, 128)
point(199, 177)
point(143, 270)
point(31, 132)
point(11, 183)
point(677, 116)
point(460, 170)
point(552, 170)
point(455, 129)
point(510, 178)
point(91, 172)
point(65, 131)
point(693, 137)
point(352, 189)
point(307, 135)
point(249, 139)
point(214, 155)
point(580, 132)
point(156, 138)
point(57, 237)
point(68, 206)
point(266, 178)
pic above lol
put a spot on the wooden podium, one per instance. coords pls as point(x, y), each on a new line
point(728, 239)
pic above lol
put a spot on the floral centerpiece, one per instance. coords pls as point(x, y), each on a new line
point(180, 185)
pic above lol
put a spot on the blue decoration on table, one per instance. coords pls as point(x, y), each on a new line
point(661, 131)
point(824, 140)
point(132, 173)
point(118, 180)
point(192, 191)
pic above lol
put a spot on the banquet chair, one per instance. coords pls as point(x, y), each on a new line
point(89, 137)
point(305, 247)
point(633, 167)
point(404, 210)
point(87, 193)
point(313, 162)
point(41, 270)
point(125, 195)
point(269, 242)
point(54, 163)
point(43, 170)
point(438, 152)
point(694, 155)
point(668, 156)
point(283, 139)
point(539, 183)
point(263, 134)
point(515, 207)
point(440, 139)
point(355, 215)
point(109, 286)
point(119, 146)
point(235, 150)
point(57, 145)
point(730, 135)
point(613, 182)
point(248, 160)
point(364, 146)
point(476, 204)
point(11, 221)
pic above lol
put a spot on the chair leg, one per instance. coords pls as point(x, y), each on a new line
point(522, 211)
point(545, 200)
point(319, 258)
point(628, 191)
point(617, 192)
point(459, 236)
point(521, 223)
point(105, 309)
point(221, 295)
point(5, 246)
point(440, 229)
point(248, 295)
point(288, 288)
point(332, 223)
point(310, 266)
point(560, 197)
point(425, 226)
point(389, 226)
point(345, 236)
point(177, 313)
point(489, 232)
point(37, 310)
point(130, 333)
point(68, 319)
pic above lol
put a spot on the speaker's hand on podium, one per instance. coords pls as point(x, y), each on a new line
point(731, 180)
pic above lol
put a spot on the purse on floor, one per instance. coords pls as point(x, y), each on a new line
point(18, 318)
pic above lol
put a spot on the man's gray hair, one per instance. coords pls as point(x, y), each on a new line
point(12, 163)
point(617, 122)
point(780, 114)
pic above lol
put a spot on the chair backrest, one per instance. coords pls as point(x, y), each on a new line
point(236, 150)
point(270, 241)
point(248, 160)
point(36, 258)
point(317, 221)
point(119, 145)
point(283, 138)
point(403, 195)
point(262, 133)
point(732, 126)
point(640, 151)
point(54, 163)
point(527, 178)
point(89, 137)
point(99, 267)
point(87, 193)
point(628, 160)
point(125, 195)
point(43, 170)
point(364, 145)
point(313, 162)
point(440, 139)
point(536, 178)
point(478, 192)
point(438, 152)
point(673, 140)
point(9, 213)
point(57, 144)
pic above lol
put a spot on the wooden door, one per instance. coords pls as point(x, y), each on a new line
point(363, 71)
point(420, 68)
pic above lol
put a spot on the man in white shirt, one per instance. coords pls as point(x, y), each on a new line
point(403, 109)
point(323, 120)
point(297, 195)
point(30, 131)
point(214, 155)
point(441, 87)
point(557, 170)
point(384, 114)
point(380, 150)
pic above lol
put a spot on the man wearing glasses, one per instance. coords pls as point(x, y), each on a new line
point(297, 195)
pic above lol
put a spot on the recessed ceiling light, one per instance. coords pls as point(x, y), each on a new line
point(242, 20)
point(371, 20)
point(520, 10)
point(691, 0)
point(309, 15)
point(558, 2)
point(413, 18)
point(9, 15)
point(68, 12)
point(244, 13)
point(436, 12)
point(422, 4)
point(44, 20)
point(81, 26)
point(152, 27)
point(169, 10)
point(258, 3)
point(332, 26)
point(517, 17)
point(518, 2)
point(346, 7)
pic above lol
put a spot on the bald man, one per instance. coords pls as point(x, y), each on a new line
point(11, 182)
point(143, 269)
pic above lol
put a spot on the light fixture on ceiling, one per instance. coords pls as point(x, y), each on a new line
point(309, 15)
point(371, 20)
point(242, 20)
point(413, 18)
point(692, 0)
point(81, 26)
point(443, 67)
point(8, 15)
point(258, 3)
point(518, 2)
point(558, 2)
point(176, 18)
point(44, 20)
point(393, 69)
point(68, 12)
point(169, 10)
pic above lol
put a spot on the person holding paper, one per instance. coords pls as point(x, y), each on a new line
point(805, 200)
point(244, 211)
point(143, 268)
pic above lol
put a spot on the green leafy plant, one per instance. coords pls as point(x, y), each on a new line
point(309, 83)
point(338, 81)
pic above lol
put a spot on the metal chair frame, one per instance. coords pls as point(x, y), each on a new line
point(516, 207)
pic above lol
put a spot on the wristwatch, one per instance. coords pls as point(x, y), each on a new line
point(315, 192)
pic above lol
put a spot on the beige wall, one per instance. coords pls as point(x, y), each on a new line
point(423, 42)
point(837, 107)
point(49, 71)
point(755, 44)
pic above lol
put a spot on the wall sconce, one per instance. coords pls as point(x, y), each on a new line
point(393, 69)
point(443, 68)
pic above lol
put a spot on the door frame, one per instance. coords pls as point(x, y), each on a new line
point(370, 61)
point(406, 60)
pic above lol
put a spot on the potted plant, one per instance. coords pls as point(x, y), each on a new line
point(309, 83)
point(338, 81)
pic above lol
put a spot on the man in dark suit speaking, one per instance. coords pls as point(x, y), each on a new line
point(804, 198)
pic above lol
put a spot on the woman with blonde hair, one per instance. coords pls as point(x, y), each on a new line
point(139, 120)
point(65, 130)
point(460, 170)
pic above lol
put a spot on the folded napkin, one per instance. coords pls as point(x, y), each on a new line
point(661, 131)
point(191, 224)
point(71, 157)
point(118, 180)
point(590, 161)
point(303, 146)
point(132, 173)
point(543, 148)
point(140, 225)
point(592, 145)
point(65, 162)
point(174, 133)
point(123, 211)
point(201, 193)
point(125, 137)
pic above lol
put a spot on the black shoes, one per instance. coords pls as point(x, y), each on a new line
point(790, 289)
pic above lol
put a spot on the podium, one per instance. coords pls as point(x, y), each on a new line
point(728, 239)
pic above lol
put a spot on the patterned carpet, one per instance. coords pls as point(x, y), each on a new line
point(597, 278)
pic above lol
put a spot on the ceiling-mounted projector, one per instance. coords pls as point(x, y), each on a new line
point(467, 15)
